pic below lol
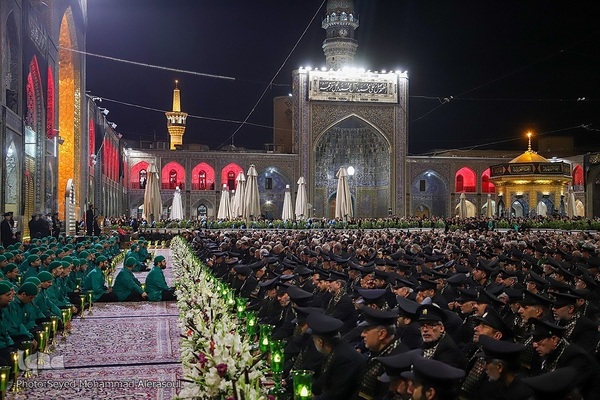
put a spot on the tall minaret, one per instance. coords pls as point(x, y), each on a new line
point(340, 22)
point(176, 120)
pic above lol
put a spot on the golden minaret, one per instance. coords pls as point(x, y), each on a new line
point(176, 120)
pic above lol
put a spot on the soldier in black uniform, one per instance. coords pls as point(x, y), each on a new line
point(437, 345)
point(340, 371)
point(502, 367)
point(432, 379)
point(378, 333)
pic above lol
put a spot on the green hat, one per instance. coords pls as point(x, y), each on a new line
point(75, 262)
point(84, 254)
point(8, 255)
point(67, 259)
point(33, 279)
point(158, 259)
point(53, 265)
point(130, 262)
point(100, 259)
point(2, 257)
point(65, 264)
point(44, 256)
point(32, 258)
point(133, 247)
point(44, 276)
point(5, 287)
point(83, 261)
point(9, 268)
point(29, 288)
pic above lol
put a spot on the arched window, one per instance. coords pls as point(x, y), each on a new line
point(465, 180)
point(172, 179)
point(578, 176)
point(143, 175)
point(202, 180)
point(202, 211)
point(486, 185)
point(231, 180)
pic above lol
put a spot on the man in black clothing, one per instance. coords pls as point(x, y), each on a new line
point(340, 371)
point(89, 220)
point(8, 236)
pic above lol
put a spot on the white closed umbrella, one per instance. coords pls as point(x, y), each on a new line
point(287, 212)
point(462, 206)
point(238, 206)
point(301, 209)
point(541, 209)
point(251, 196)
point(343, 200)
point(224, 212)
point(489, 207)
point(571, 208)
point(231, 202)
point(177, 206)
point(152, 200)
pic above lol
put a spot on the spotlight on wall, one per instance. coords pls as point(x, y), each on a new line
point(119, 136)
point(60, 140)
point(113, 125)
point(103, 111)
point(96, 98)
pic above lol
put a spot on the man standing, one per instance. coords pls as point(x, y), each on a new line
point(89, 220)
point(8, 236)
point(156, 284)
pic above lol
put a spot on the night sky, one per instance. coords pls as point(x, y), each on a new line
point(505, 66)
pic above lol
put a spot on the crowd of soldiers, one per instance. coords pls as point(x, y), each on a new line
point(426, 314)
point(40, 279)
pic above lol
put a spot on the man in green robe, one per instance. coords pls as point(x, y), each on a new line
point(126, 286)
point(7, 345)
point(95, 281)
point(156, 285)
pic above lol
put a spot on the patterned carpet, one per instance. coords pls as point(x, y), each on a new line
point(120, 351)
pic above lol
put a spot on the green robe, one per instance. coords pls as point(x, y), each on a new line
point(155, 284)
point(14, 316)
point(95, 281)
point(5, 339)
point(45, 305)
point(125, 283)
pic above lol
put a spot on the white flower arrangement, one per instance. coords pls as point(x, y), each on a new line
point(216, 358)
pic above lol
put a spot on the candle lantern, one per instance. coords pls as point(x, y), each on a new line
point(143, 287)
point(302, 382)
point(64, 316)
point(264, 338)
point(4, 375)
point(276, 348)
point(54, 329)
point(241, 306)
point(26, 346)
point(69, 314)
point(14, 357)
point(46, 327)
point(82, 304)
point(90, 297)
point(77, 283)
point(230, 298)
point(40, 339)
point(251, 323)
point(110, 281)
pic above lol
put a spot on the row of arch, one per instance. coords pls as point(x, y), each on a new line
point(204, 177)
point(465, 180)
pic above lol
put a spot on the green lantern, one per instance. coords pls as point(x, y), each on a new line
point(4, 375)
point(276, 348)
point(302, 382)
point(264, 338)
point(240, 306)
point(251, 323)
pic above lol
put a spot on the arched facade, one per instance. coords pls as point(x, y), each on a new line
point(203, 177)
point(172, 176)
point(486, 185)
point(354, 142)
point(465, 180)
point(229, 173)
point(429, 194)
point(139, 175)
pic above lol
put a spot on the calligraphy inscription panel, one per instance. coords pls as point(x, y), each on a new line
point(339, 86)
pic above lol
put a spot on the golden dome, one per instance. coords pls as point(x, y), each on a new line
point(528, 157)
